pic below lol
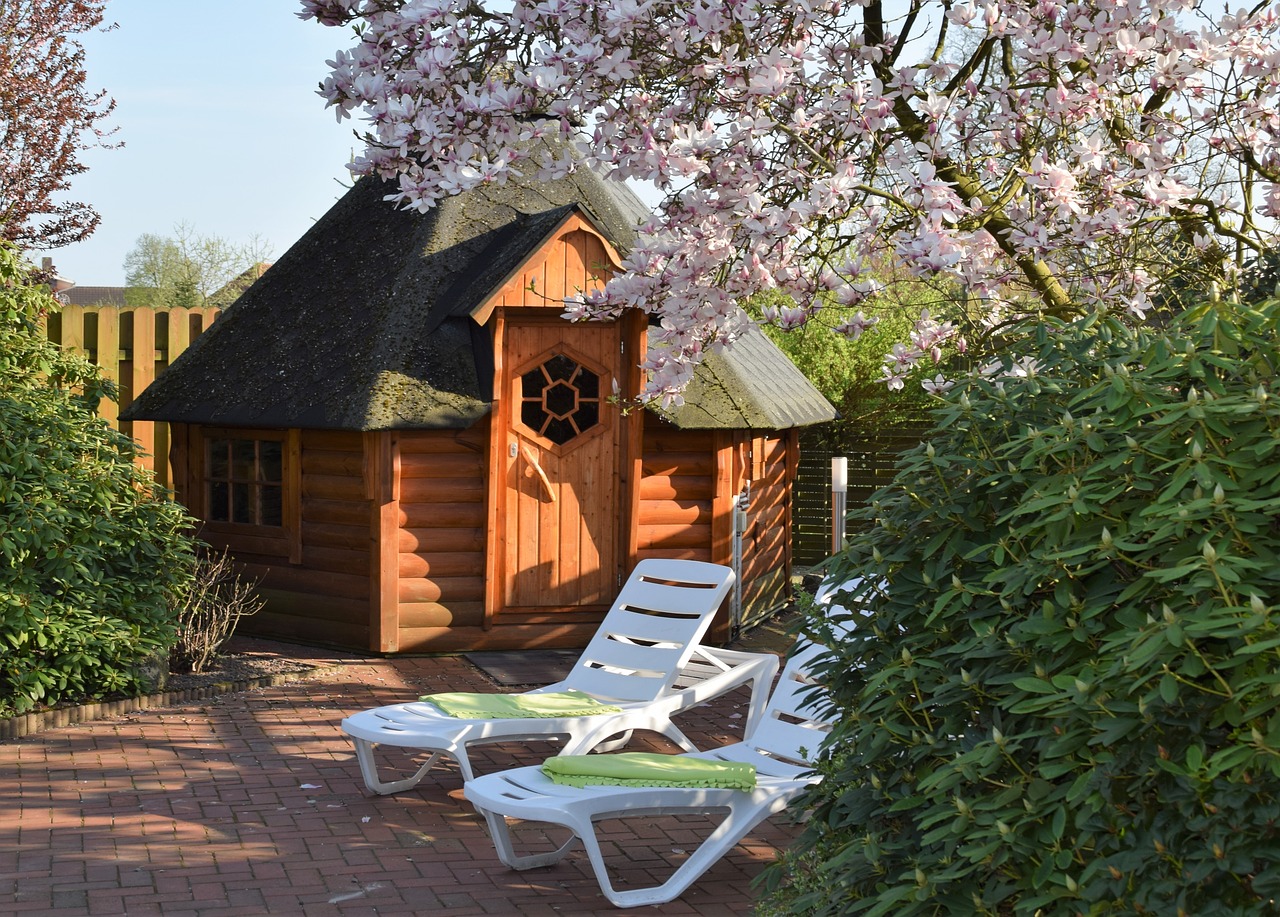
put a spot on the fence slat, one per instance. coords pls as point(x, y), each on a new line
point(109, 359)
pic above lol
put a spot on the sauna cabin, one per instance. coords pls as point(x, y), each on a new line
point(398, 436)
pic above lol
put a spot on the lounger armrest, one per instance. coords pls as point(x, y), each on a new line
point(709, 673)
point(713, 671)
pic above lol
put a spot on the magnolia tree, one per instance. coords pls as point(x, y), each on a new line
point(47, 118)
point(1050, 157)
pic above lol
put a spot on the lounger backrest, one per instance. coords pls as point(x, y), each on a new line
point(796, 719)
point(659, 618)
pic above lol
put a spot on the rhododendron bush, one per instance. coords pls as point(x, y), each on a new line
point(1049, 157)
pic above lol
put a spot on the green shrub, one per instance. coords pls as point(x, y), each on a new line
point(89, 558)
point(1068, 700)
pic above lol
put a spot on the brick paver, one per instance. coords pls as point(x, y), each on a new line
point(252, 804)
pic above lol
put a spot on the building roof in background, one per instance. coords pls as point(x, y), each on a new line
point(92, 296)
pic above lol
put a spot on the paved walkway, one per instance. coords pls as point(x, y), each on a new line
point(252, 804)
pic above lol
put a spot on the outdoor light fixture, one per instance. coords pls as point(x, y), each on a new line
point(839, 495)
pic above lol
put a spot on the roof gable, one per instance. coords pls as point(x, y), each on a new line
point(545, 273)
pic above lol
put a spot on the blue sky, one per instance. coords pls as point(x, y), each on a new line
point(216, 106)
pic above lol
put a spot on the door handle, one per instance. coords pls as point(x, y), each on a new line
point(537, 470)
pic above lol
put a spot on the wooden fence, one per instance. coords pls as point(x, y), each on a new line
point(872, 456)
point(131, 346)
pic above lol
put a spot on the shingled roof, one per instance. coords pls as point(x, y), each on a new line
point(752, 385)
point(364, 324)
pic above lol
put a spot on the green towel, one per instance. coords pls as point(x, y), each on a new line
point(518, 706)
point(637, 768)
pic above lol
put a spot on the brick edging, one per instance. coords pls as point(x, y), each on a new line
point(28, 724)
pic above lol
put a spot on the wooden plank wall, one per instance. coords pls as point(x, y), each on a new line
point(676, 493)
point(579, 260)
point(766, 547)
point(131, 346)
point(332, 578)
point(441, 540)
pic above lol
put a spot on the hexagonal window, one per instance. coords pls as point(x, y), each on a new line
point(560, 399)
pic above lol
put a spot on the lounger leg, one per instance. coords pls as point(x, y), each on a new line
point(500, 831)
point(369, 770)
point(760, 688)
point(716, 845)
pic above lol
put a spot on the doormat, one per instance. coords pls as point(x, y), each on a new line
point(525, 667)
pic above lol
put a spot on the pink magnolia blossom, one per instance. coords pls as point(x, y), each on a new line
point(1052, 157)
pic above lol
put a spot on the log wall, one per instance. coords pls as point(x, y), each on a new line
point(440, 540)
point(688, 481)
point(422, 496)
point(314, 570)
point(676, 493)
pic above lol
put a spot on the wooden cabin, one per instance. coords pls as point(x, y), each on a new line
point(397, 434)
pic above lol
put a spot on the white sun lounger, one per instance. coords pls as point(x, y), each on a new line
point(645, 659)
point(780, 745)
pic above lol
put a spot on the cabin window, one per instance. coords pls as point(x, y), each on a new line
point(560, 399)
point(244, 480)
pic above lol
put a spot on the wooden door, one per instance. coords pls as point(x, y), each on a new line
point(561, 512)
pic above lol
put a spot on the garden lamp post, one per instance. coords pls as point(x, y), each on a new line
point(839, 495)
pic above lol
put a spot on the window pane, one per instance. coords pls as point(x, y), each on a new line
point(560, 431)
point(560, 399)
point(242, 459)
point(588, 384)
point(588, 415)
point(271, 505)
point(241, 506)
point(533, 416)
point(560, 368)
point(270, 461)
point(532, 384)
point(217, 459)
point(219, 510)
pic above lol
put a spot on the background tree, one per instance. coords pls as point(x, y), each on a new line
point(189, 270)
point(1053, 158)
point(849, 368)
point(47, 118)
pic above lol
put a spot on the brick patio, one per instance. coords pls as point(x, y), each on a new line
point(252, 803)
